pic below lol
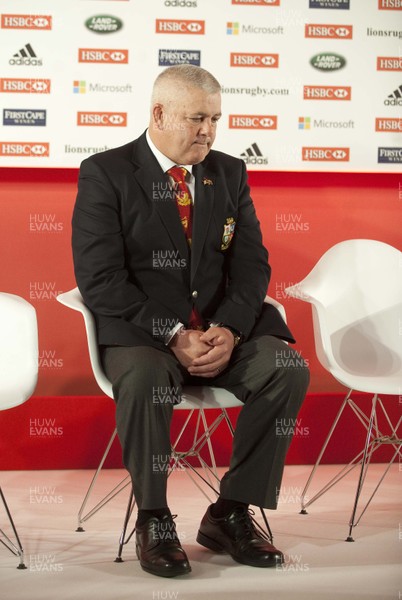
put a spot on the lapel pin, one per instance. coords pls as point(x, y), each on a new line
point(206, 181)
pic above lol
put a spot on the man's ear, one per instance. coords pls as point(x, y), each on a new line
point(158, 116)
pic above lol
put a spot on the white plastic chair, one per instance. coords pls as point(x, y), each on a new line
point(18, 376)
point(196, 399)
point(355, 291)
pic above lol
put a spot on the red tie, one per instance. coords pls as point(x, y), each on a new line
point(183, 199)
point(185, 207)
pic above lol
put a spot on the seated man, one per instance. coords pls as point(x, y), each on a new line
point(168, 256)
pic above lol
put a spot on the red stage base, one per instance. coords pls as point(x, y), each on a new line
point(71, 432)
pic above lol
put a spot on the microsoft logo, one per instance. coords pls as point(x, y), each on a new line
point(232, 28)
point(304, 123)
point(79, 87)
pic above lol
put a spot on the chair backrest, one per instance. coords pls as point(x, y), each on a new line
point(356, 292)
point(18, 350)
point(74, 300)
point(361, 276)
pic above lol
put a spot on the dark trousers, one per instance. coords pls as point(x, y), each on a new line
point(268, 376)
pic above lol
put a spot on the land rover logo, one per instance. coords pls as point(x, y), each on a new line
point(328, 62)
point(103, 24)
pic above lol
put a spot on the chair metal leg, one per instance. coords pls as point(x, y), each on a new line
point(374, 439)
point(318, 461)
point(82, 518)
point(15, 549)
point(124, 539)
point(369, 448)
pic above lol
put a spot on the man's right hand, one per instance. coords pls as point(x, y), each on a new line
point(186, 346)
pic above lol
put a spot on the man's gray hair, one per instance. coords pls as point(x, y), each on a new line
point(183, 75)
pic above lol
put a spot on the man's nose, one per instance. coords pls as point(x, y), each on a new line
point(206, 127)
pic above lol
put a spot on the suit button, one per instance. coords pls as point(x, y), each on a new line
point(194, 294)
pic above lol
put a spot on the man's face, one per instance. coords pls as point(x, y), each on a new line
point(186, 126)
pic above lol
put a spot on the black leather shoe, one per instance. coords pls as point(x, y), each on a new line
point(159, 550)
point(237, 535)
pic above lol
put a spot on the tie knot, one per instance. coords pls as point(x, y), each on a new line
point(178, 174)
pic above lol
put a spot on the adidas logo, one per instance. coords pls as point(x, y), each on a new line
point(26, 56)
point(253, 156)
point(395, 98)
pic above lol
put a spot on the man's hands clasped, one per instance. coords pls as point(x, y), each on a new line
point(203, 353)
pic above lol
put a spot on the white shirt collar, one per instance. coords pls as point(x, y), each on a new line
point(165, 162)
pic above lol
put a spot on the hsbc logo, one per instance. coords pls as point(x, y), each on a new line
point(102, 55)
point(180, 26)
point(326, 154)
point(24, 149)
point(102, 119)
point(25, 86)
point(389, 63)
point(253, 122)
point(389, 4)
point(26, 22)
point(247, 59)
point(388, 125)
point(340, 32)
point(327, 92)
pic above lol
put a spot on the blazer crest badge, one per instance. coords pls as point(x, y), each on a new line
point(228, 232)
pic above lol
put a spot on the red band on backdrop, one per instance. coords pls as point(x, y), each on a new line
point(301, 214)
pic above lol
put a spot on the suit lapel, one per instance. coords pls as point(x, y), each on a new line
point(156, 186)
point(203, 208)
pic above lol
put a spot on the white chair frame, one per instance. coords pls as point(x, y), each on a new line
point(366, 275)
point(18, 377)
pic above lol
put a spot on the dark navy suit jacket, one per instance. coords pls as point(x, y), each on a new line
point(132, 262)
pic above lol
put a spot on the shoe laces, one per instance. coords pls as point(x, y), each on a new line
point(164, 530)
point(245, 521)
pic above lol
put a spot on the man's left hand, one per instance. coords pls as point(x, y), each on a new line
point(217, 358)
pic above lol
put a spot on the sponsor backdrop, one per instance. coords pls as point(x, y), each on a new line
point(306, 84)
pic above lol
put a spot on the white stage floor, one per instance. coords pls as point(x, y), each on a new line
point(319, 564)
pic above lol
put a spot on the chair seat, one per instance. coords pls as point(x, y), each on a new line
point(207, 397)
point(363, 361)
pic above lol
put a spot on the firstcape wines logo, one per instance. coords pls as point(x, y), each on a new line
point(24, 116)
point(257, 2)
point(168, 57)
